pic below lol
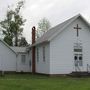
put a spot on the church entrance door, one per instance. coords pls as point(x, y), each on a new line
point(78, 61)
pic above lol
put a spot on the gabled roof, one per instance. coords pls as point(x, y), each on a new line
point(15, 49)
point(19, 49)
point(8, 46)
point(57, 29)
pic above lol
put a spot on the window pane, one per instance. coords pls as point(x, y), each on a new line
point(44, 54)
point(80, 60)
point(75, 58)
point(23, 58)
point(37, 54)
point(77, 50)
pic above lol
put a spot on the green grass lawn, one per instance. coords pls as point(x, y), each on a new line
point(40, 82)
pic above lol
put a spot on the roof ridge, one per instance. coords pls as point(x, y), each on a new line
point(59, 24)
point(67, 20)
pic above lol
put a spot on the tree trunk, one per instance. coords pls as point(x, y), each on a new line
point(16, 40)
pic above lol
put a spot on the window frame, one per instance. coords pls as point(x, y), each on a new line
point(23, 58)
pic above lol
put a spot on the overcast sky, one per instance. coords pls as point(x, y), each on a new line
point(56, 11)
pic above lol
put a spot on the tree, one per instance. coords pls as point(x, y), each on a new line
point(43, 26)
point(18, 22)
point(23, 42)
point(13, 24)
point(7, 31)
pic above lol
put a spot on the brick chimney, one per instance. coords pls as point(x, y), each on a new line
point(33, 49)
point(33, 34)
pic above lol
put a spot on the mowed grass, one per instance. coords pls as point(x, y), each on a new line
point(40, 82)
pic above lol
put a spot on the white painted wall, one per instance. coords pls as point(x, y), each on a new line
point(7, 58)
point(23, 67)
point(43, 66)
point(61, 49)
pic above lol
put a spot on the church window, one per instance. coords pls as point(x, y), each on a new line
point(23, 59)
point(76, 60)
point(80, 58)
point(30, 63)
point(75, 57)
point(37, 55)
point(44, 53)
point(77, 50)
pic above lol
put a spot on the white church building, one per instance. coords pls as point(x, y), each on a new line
point(63, 49)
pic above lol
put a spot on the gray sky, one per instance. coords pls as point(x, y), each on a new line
point(56, 11)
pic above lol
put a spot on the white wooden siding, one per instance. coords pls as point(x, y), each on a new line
point(43, 66)
point(7, 58)
point(21, 67)
point(61, 48)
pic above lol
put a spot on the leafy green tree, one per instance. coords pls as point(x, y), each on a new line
point(7, 31)
point(43, 26)
point(23, 42)
point(13, 24)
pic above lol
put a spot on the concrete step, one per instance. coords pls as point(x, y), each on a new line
point(79, 74)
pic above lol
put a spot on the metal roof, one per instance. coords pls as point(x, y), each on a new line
point(8, 46)
point(15, 49)
point(19, 49)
